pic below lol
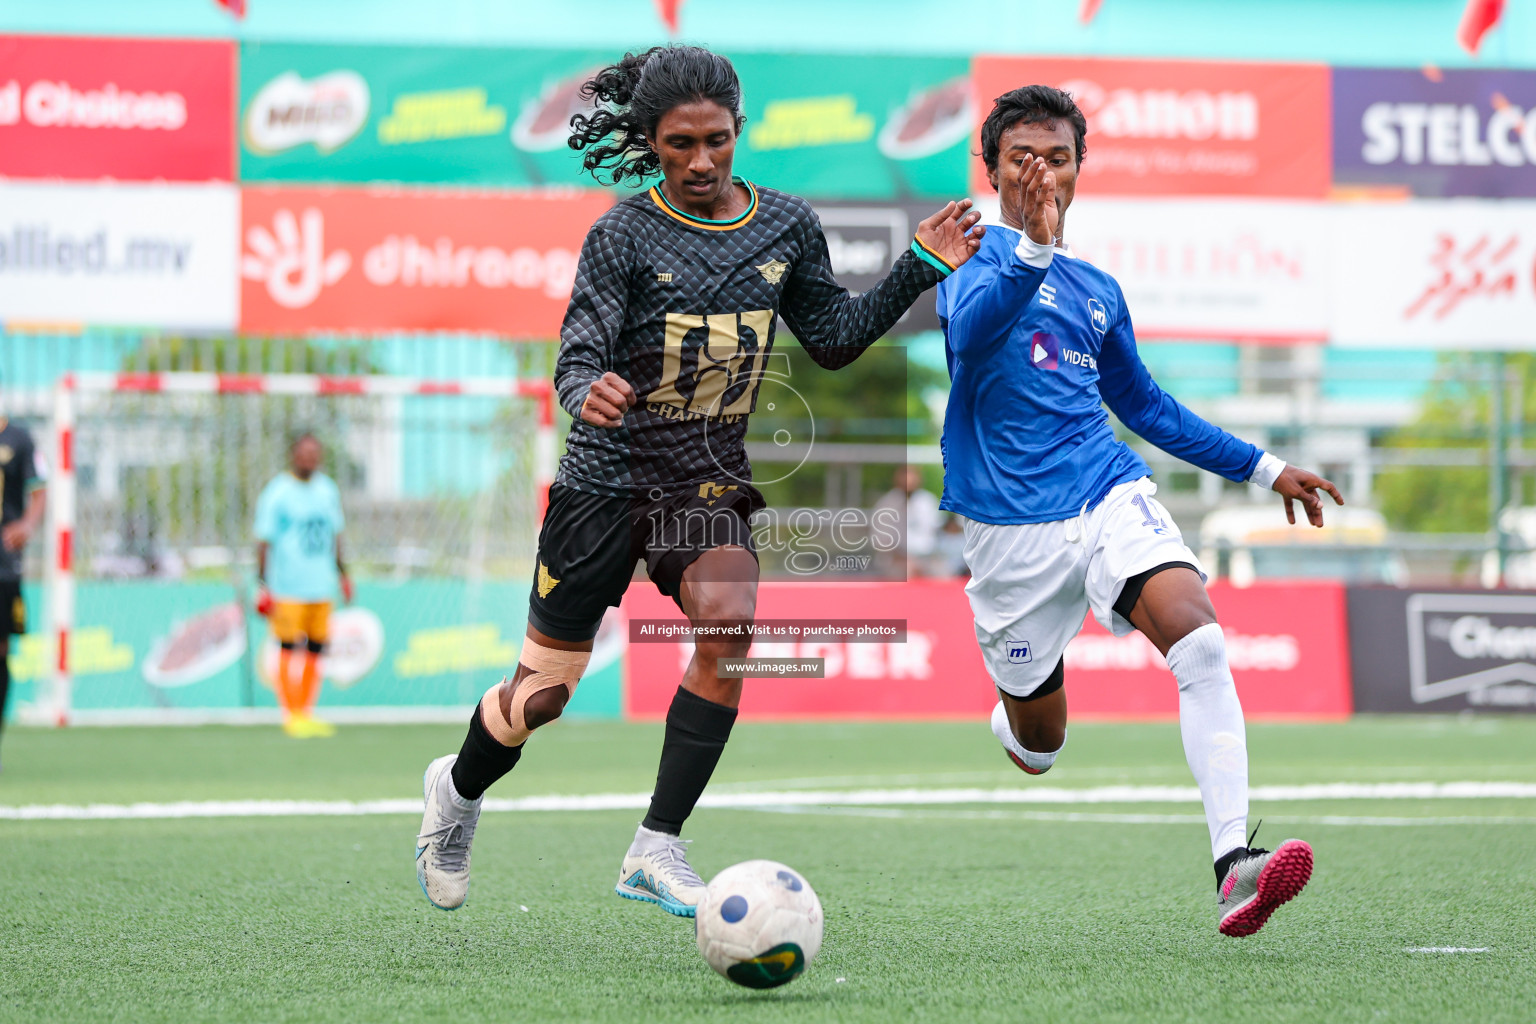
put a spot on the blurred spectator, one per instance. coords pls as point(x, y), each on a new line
point(949, 549)
point(917, 515)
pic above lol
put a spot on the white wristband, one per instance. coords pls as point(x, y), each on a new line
point(1267, 471)
point(1033, 253)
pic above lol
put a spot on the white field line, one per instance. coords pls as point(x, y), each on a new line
point(782, 798)
point(1103, 817)
point(1449, 949)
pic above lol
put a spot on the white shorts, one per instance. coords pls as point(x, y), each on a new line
point(1031, 584)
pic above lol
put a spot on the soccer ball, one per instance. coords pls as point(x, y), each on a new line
point(759, 924)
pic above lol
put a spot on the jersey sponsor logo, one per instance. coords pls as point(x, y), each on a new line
point(546, 581)
point(773, 271)
point(715, 376)
point(1077, 358)
point(1044, 351)
point(1048, 296)
point(714, 492)
point(1098, 316)
point(1047, 353)
point(1019, 652)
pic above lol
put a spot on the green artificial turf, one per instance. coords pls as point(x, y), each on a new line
point(945, 913)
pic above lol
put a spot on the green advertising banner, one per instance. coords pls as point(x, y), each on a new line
point(410, 114)
point(840, 127)
point(820, 126)
point(141, 645)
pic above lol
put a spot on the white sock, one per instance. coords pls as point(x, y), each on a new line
point(1004, 733)
point(1215, 741)
point(649, 839)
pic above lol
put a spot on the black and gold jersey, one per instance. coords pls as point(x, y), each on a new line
point(684, 309)
point(20, 471)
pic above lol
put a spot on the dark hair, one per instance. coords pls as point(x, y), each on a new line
point(633, 95)
point(1032, 104)
point(300, 438)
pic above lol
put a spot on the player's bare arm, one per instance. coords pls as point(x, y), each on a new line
point(607, 400)
point(342, 576)
point(1296, 484)
point(953, 232)
point(17, 534)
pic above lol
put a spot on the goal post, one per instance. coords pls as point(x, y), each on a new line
point(154, 476)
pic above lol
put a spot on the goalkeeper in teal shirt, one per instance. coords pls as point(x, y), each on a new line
point(300, 568)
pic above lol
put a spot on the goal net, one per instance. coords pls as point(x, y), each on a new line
point(151, 559)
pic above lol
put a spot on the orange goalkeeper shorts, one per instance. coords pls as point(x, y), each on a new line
point(293, 621)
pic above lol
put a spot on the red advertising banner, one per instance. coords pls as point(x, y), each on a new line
point(937, 672)
point(1287, 645)
point(361, 260)
point(132, 109)
point(1160, 127)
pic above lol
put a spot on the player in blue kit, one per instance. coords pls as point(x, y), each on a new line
point(1061, 517)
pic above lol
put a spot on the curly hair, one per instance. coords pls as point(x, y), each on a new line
point(634, 94)
point(1032, 104)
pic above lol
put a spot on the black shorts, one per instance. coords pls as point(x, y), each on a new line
point(590, 543)
point(13, 610)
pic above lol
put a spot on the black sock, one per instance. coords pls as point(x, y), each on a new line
point(482, 760)
point(1227, 860)
point(696, 733)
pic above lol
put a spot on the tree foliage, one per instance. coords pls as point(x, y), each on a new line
point(1457, 414)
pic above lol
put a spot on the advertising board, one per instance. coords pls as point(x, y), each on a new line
point(130, 109)
point(1436, 132)
point(119, 254)
point(1443, 651)
point(1286, 644)
point(356, 259)
point(1165, 127)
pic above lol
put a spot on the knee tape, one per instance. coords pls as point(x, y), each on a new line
point(547, 668)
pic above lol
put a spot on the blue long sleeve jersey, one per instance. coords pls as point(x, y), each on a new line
point(1034, 356)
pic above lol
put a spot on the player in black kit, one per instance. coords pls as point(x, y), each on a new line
point(663, 346)
point(21, 512)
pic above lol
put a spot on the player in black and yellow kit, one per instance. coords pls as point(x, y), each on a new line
point(664, 344)
point(21, 513)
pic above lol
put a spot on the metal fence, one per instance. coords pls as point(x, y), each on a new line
point(1399, 432)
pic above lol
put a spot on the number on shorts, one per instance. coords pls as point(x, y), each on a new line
point(1148, 519)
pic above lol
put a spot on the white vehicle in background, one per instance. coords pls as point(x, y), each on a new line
point(1518, 524)
point(1253, 542)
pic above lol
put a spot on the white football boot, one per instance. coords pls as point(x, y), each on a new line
point(1259, 883)
point(447, 829)
point(656, 870)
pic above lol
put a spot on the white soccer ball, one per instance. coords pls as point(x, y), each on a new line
point(759, 923)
